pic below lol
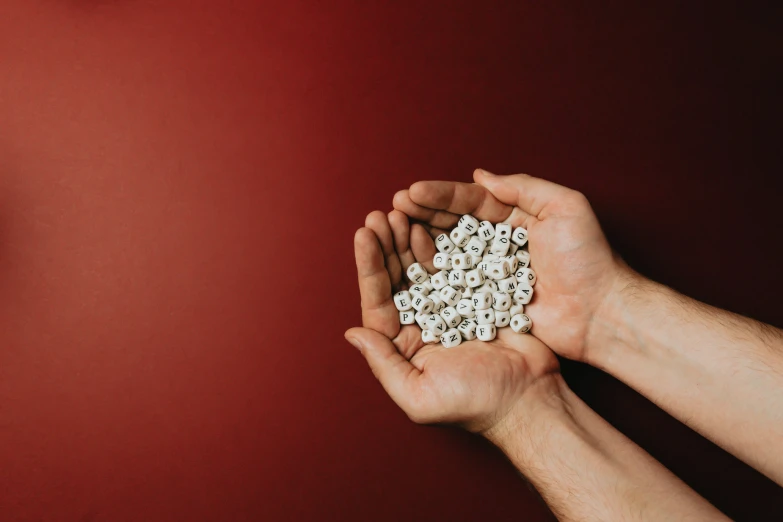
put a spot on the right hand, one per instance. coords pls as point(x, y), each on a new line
point(577, 272)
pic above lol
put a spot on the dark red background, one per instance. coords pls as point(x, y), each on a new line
point(179, 187)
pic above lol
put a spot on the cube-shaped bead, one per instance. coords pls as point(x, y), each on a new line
point(457, 250)
point(421, 319)
point(519, 236)
point(502, 318)
point(419, 289)
point(403, 301)
point(440, 279)
point(462, 261)
point(481, 301)
point(507, 285)
point(428, 285)
point(486, 332)
point(475, 246)
point(474, 278)
point(417, 273)
point(501, 301)
point(451, 338)
point(457, 278)
point(423, 304)
point(503, 230)
point(437, 302)
point(429, 337)
point(467, 328)
point(489, 286)
point(516, 309)
point(449, 295)
point(469, 224)
point(526, 274)
point(450, 316)
point(499, 246)
point(521, 323)
point(486, 231)
point(407, 317)
point(465, 308)
point(468, 292)
point(512, 261)
point(523, 294)
point(498, 270)
point(512, 249)
point(436, 324)
point(444, 244)
point(485, 316)
point(523, 256)
point(459, 237)
point(442, 261)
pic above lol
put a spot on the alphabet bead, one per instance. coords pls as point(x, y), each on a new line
point(468, 292)
point(428, 285)
point(502, 318)
point(440, 280)
point(449, 295)
point(418, 290)
point(486, 230)
point(462, 261)
point(469, 224)
point(497, 270)
point(489, 286)
point(485, 316)
point(457, 278)
point(467, 328)
point(523, 294)
point(501, 301)
point(429, 337)
point(475, 246)
point(512, 248)
point(422, 304)
point(512, 262)
point(516, 309)
point(421, 319)
point(451, 338)
point(403, 301)
point(521, 323)
point(465, 308)
point(526, 274)
point(417, 273)
point(481, 301)
point(438, 303)
point(507, 285)
point(519, 237)
point(457, 250)
point(450, 316)
point(499, 246)
point(474, 278)
point(407, 317)
point(486, 332)
point(442, 261)
point(436, 324)
point(503, 230)
point(523, 256)
point(444, 244)
point(459, 237)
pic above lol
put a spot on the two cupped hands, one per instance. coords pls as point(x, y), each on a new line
point(485, 387)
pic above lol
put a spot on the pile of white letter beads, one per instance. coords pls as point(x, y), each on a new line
point(483, 283)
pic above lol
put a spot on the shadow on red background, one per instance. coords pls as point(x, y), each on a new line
point(180, 183)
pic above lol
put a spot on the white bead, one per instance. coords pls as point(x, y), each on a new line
point(407, 317)
point(421, 319)
point(519, 237)
point(459, 237)
point(474, 278)
point(523, 295)
point(498, 270)
point(469, 224)
point(489, 286)
point(442, 261)
point(419, 290)
point(503, 230)
point(486, 231)
point(475, 247)
point(429, 337)
point(451, 338)
point(462, 261)
point(501, 301)
point(490, 257)
point(526, 274)
point(521, 323)
point(523, 256)
point(428, 285)
point(440, 279)
point(444, 244)
point(502, 318)
point(423, 304)
point(485, 316)
point(417, 273)
point(481, 301)
point(486, 332)
point(457, 250)
point(449, 295)
point(450, 316)
point(467, 328)
point(499, 246)
point(457, 278)
point(516, 309)
point(436, 324)
point(468, 292)
point(438, 303)
point(512, 261)
point(402, 300)
point(512, 249)
point(465, 308)
point(507, 285)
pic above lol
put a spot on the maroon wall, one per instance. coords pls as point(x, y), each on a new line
point(179, 187)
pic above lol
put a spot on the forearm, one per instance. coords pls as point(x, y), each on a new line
point(584, 468)
point(720, 373)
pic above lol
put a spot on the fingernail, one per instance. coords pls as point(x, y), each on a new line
point(355, 342)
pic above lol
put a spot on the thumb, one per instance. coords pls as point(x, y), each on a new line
point(395, 373)
point(521, 190)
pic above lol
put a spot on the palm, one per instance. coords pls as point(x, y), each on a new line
point(474, 384)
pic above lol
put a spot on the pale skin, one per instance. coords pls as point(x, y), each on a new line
point(712, 369)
